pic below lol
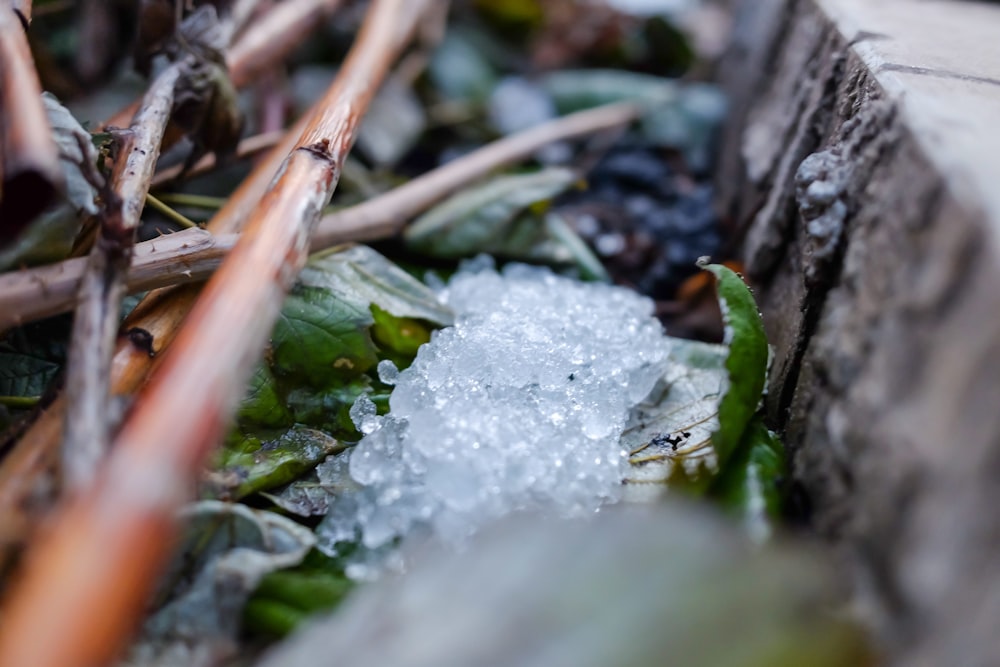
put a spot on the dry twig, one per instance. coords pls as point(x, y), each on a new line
point(102, 287)
point(88, 578)
point(191, 256)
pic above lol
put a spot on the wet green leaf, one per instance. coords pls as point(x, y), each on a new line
point(748, 485)
point(365, 277)
point(746, 363)
point(285, 598)
point(322, 336)
point(350, 308)
point(249, 464)
point(328, 408)
point(399, 338)
point(263, 405)
point(505, 216)
point(459, 69)
point(24, 375)
point(226, 549)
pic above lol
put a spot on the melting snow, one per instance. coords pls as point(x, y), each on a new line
point(520, 405)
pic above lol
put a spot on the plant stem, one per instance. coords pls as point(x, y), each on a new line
point(194, 201)
point(165, 210)
point(20, 402)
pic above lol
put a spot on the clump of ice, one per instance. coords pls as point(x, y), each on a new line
point(520, 405)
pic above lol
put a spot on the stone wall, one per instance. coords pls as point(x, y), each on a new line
point(862, 171)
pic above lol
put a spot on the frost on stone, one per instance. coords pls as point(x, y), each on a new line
point(520, 405)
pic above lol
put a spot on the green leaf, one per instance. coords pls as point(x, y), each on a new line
point(328, 409)
point(225, 551)
point(248, 464)
point(285, 598)
point(399, 338)
point(24, 375)
point(746, 363)
point(322, 336)
point(505, 216)
point(365, 277)
point(459, 69)
point(748, 485)
point(350, 308)
point(262, 405)
point(685, 117)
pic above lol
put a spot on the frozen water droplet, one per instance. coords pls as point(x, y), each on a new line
point(364, 414)
point(387, 372)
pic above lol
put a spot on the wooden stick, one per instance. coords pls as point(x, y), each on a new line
point(385, 215)
point(268, 40)
point(95, 324)
point(88, 578)
point(23, 7)
point(192, 256)
point(30, 174)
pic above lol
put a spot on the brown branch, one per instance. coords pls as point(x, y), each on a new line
point(23, 7)
point(103, 285)
point(30, 174)
point(385, 215)
point(192, 256)
point(269, 39)
point(87, 580)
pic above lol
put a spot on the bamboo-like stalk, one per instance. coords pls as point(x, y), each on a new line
point(269, 39)
point(102, 287)
point(193, 255)
point(30, 174)
point(89, 576)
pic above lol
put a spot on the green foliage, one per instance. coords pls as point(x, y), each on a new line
point(285, 598)
point(250, 464)
point(746, 363)
point(350, 309)
point(749, 483)
point(506, 216)
point(459, 69)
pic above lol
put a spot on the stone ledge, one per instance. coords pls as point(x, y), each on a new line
point(861, 168)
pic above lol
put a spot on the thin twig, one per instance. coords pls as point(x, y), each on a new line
point(170, 213)
point(30, 174)
point(88, 578)
point(23, 7)
point(269, 39)
point(36, 293)
point(386, 215)
point(103, 285)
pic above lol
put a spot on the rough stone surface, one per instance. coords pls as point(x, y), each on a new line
point(861, 170)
